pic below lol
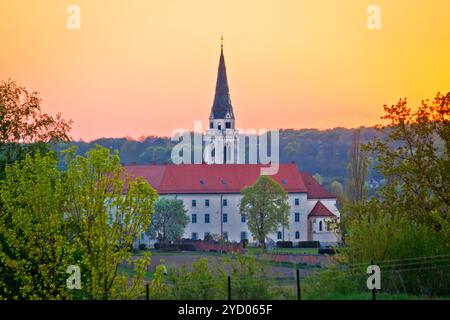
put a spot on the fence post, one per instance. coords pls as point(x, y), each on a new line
point(373, 290)
point(229, 287)
point(299, 297)
point(147, 288)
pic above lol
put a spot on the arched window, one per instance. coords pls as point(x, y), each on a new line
point(279, 235)
point(297, 235)
point(320, 225)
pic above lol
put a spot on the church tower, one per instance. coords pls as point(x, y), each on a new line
point(221, 138)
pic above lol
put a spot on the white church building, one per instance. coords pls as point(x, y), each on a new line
point(211, 192)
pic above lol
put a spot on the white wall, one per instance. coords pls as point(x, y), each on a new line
point(234, 226)
point(325, 236)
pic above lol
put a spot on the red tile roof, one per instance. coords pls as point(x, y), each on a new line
point(320, 210)
point(213, 178)
point(315, 190)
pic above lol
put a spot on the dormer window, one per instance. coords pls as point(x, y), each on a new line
point(228, 125)
point(219, 127)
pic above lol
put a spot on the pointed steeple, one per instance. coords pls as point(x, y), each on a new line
point(222, 102)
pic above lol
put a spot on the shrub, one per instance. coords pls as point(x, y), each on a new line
point(308, 244)
point(284, 244)
point(142, 246)
point(329, 251)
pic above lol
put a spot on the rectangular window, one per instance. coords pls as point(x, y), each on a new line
point(225, 236)
point(243, 235)
point(225, 202)
point(297, 235)
point(194, 203)
point(297, 201)
point(243, 218)
point(206, 235)
point(206, 217)
point(297, 217)
point(279, 235)
point(194, 236)
point(194, 218)
point(206, 203)
point(225, 218)
point(228, 125)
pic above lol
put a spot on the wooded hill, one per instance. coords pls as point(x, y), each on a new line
point(323, 152)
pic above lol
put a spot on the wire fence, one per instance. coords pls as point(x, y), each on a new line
point(409, 278)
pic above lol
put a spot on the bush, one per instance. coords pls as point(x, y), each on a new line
point(207, 280)
point(142, 246)
point(329, 251)
point(244, 243)
point(308, 244)
point(413, 256)
point(284, 244)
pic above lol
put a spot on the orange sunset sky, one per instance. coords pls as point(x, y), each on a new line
point(148, 67)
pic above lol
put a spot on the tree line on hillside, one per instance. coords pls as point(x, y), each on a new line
point(324, 153)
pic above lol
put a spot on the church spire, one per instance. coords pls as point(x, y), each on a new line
point(222, 107)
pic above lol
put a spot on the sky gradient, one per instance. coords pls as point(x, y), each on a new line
point(147, 67)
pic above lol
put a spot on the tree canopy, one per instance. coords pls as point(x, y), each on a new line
point(266, 205)
point(169, 220)
point(88, 215)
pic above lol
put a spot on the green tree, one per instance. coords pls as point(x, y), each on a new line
point(107, 211)
point(168, 221)
point(35, 250)
point(24, 130)
point(89, 216)
point(415, 161)
point(267, 207)
point(357, 171)
point(409, 218)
